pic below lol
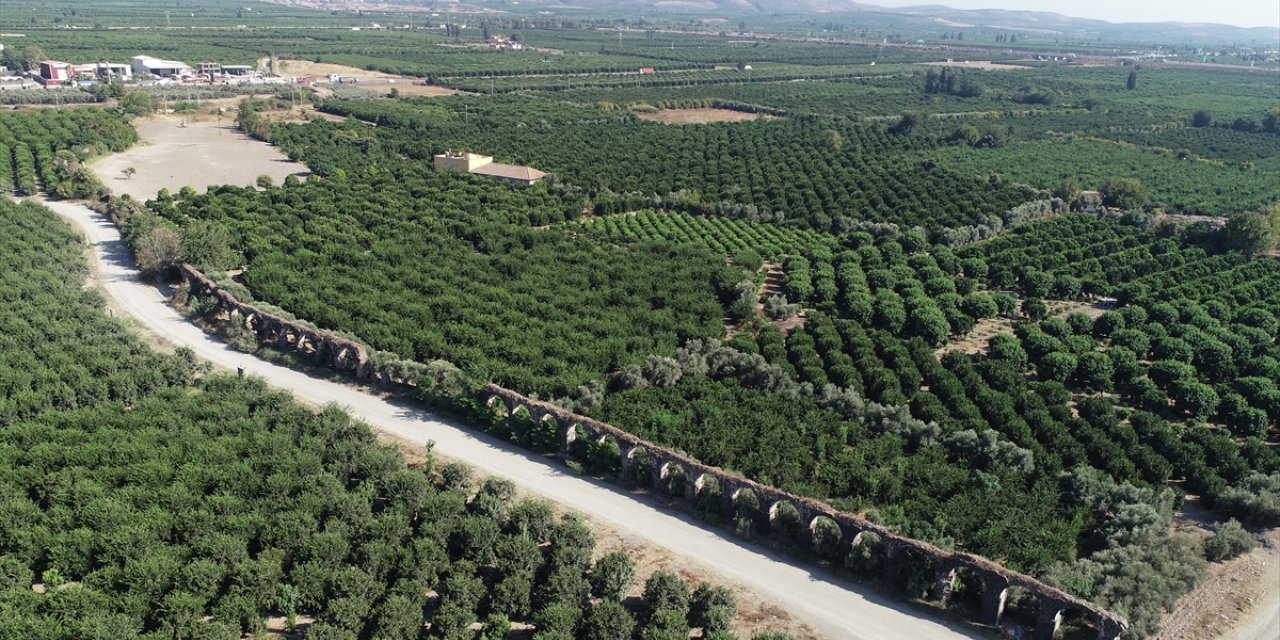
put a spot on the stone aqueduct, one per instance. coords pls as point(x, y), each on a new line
point(996, 581)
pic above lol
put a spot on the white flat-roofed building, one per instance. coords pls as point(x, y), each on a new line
point(160, 68)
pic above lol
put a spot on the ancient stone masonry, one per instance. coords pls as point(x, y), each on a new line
point(997, 581)
point(687, 483)
point(325, 348)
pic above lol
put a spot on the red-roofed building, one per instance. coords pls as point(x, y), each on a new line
point(54, 73)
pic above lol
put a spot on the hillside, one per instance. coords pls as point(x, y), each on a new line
point(919, 16)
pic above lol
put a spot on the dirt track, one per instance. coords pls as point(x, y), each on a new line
point(198, 155)
point(833, 608)
point(1240, 599)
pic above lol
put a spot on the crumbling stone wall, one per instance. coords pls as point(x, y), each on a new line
point(1053, 603)
point(348, 356)
point(325, 348)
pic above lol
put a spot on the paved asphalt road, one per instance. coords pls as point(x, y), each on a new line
point(835, 609)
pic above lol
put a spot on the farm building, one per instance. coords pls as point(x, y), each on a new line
point(485, 166)
point(54, 73)
point(101, 70)
point(1090, 201)
point(158, 67)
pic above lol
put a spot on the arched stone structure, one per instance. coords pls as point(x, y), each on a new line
point(958, 585)
point(286, 335)
point(744, 505)
point(576, 441)
point(1068, 622)
point(865, 554)
point(638, 466)
point(673, 480)
point(826, 538)
point(497, 407)
point(351, 357)
point(785, 520)
point(708, 498)
point(994, 578)
point(909, 567)
point(548, 434)
point(1023, 608)
point(604, 455)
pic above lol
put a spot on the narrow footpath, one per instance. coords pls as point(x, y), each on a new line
point(834, 608)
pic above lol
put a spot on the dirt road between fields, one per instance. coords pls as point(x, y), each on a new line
point(833, 608)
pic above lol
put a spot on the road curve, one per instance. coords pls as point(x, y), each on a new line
point(835, 609)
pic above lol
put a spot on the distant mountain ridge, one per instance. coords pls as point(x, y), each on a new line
point(919, 16)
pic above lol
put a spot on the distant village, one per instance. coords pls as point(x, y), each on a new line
point(146, 70)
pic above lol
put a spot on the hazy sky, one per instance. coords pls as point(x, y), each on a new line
point(1244, 13)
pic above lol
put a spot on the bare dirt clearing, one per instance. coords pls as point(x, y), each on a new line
point(199, 155)
point(701, 116)
point(985, 65)
point(976, 341)
point(372, 81)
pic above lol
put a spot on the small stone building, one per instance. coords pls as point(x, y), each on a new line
point(477, 164)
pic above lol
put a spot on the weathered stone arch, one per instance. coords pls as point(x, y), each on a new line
point(784, 519)
point(343, 357)
point(637, 467)
point(745, 505)
point(961, 587)
point(571, 437)
point(995, 593)
point(1057, 620)
point(549, 421)
point(866, 553)
point(674, 479)
point(825, 536)
point(1021, 608)
point(708, 497)
point(546, 434)
point(324, 349)
point(1110, 627)
point(908, 569)
point(603, 454)
point(498, 406)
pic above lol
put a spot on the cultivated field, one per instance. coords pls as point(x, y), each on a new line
point(198, 155)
